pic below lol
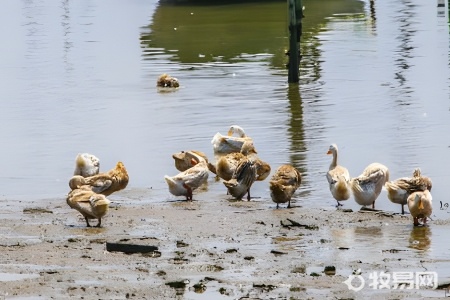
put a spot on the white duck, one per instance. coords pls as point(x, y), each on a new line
point(367, 186)
point(420, 206)
point(184, 183)
point(399, 190)
point(224, 144)
point(338, 177)
point(283, 184)
point(90, 204)
point(86, 165)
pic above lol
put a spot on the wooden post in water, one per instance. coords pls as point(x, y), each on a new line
point(295, 32)
point(441, 8)
point(448, 10)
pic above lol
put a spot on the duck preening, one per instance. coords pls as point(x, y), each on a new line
point(183, 159)
point(420, 206)
point(242, 179)
point(107, 183)
point(283, 184)
point(86, 165)
point(367, 187)
point(184, 183)
point(90, 204)
point(399, 190)
point(224, 144)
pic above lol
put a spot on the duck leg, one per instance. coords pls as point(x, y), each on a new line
point(373, 205)
point(403, 209)
point(87, 222)
point(99, 224)
point(289, 204)
point(188, 193)
point(339, 204)
point(248, 194)
point(416, 221)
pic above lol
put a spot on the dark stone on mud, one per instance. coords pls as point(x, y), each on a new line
point(232, 250)
point(277, 252)
point(265, 287)
point(181, 244)
point(199, 287)
point(129, 248)
point(179, 286)
point(330, 270)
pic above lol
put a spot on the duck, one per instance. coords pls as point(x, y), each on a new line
point(224, 144)
point(183, 159)
point(165, 80)
point(263, 169)
point(367, 187)
point(283, 184)
point(90, 204)
point(184, 183)
point(107, 183)
point(86, 165)
point(227, 164)
point(420, 206)
point(399, 190)
point(243, 178)
point(338, 177)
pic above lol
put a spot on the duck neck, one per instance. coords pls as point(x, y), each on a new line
point(334, 161)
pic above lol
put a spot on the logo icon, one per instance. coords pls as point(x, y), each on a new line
point(350, 278)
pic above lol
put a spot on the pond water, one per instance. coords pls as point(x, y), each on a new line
point(80, 77)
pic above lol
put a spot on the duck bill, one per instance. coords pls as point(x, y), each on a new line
point(421, 204)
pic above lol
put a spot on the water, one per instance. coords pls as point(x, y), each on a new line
point(81, 77)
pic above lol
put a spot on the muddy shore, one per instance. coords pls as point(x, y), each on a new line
point(206, 249)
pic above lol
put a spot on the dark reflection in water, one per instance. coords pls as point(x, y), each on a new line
point(405, 17)
point(66, 26)
point(296, 131)
point(420, 238)
point(222, 32)
point(373, 15)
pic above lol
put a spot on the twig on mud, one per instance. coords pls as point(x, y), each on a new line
point(376, 212)
point(296, 224)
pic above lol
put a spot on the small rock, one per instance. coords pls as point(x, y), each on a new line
point(330, 270)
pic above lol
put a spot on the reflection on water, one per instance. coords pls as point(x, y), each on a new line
point(420, 238)
point(191, 33)
point(295, 129)
point(404, 17)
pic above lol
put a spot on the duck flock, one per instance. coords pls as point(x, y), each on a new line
point(238, 166)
